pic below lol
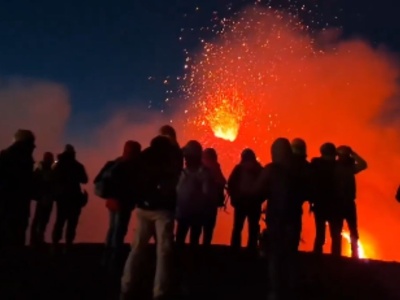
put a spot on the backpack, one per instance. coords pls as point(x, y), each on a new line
point(104, 186)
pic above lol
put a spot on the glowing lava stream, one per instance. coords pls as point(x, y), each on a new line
point(361, 253)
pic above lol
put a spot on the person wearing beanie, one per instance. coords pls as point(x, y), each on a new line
point(245, 205)
point(16, 188)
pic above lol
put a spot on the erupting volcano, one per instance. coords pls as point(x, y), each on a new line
point(265, 74)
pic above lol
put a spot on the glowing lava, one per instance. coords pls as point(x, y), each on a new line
point(361, 253)
point(225, 114)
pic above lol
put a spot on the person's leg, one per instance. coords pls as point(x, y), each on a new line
point(320, 228)
point(196, 225)
point(109, 242)
point(238, 223)
point(182, 230)
point(253, 221)
point(61, 218)
point(34, 238)
point(208, 228)
point(165, 238)
point(121, 228)
point(145, 228)
point(335, 228)
point(351, 218)
point(45, 218)
point(73, 220)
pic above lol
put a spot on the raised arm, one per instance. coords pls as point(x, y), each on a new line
point(360, 163)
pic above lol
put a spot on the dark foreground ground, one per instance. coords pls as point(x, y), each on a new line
point(38, 275)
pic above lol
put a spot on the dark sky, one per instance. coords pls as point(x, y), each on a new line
point(104, 51)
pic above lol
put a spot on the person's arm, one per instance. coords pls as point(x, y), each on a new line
point(260, 187)
point(233, 180)
point(360, 164)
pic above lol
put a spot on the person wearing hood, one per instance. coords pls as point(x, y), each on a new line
point(245, 205)
point(68, 176)
point(324, 204)
point(277, 184)
point(44, 199)
point(16, 188)
point(196, 196)
point(122, 176)
point(349, 163)
point(303, 181)
point(160, 171)
point(210, 161)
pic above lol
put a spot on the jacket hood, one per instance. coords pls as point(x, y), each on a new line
point(281, 152)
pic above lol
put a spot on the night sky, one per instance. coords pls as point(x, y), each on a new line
point(104, 52)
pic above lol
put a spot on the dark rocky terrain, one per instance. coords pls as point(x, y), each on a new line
point(36, 274)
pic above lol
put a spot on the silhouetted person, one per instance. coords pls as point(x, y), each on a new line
point(348, 165)
point(277, 184)
point(210, 161)
point(44, 199)
point(324, 201)
point(246, 205)
point(196, 196)
point(16, 188)
point(155, 216)
point(302, 181)
point(124, 173)
point(68, 175)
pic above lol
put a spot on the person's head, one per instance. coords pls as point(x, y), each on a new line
point(248, 155)
point(48, 158)
point(160, 144)
point(132, 150)
point(344, 153)
point(192, 152)
point(328, 151)
point(26, 138)
point(210, 155)
point(69, 151)
point(168, 131)
point(299, 147)
point(281, 151)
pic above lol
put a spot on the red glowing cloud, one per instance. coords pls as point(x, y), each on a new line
point(291, 83)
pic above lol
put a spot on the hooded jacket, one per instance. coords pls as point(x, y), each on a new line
point(241, 180)
point(160, 168)
point(276, 184)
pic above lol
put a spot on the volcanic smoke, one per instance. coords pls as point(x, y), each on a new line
point(266, 75)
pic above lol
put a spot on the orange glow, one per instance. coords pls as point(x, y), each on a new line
point(361, 252)
point(296, 84)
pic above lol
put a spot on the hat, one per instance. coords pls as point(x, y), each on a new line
point(24, 135)
point(299, 147)
point(193, 148)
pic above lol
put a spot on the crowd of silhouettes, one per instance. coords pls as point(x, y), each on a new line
point(169, 185)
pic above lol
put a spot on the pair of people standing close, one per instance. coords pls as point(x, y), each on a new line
point(169, 190)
